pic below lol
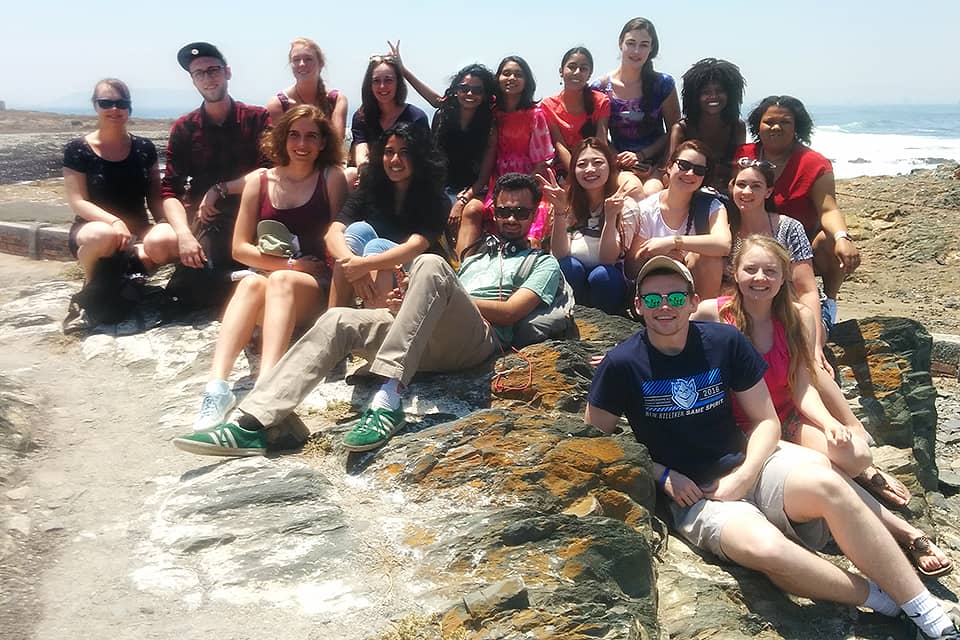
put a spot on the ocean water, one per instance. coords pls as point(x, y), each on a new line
point(886, 140)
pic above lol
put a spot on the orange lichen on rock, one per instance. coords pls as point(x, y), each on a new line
point(417, 537)
point(620, 506)
point(885, 374)
point(568, 483)
point(605, 450)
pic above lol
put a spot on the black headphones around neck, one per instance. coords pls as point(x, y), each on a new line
point(490, 244)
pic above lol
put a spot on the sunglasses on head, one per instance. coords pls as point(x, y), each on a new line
point(747, 163)
point(106, 103)
point(520, 213)
point(654, 300)
point(686, 165)
point(475, 89)
point(383, 58)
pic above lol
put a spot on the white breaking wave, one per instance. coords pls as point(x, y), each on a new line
point(880, 154)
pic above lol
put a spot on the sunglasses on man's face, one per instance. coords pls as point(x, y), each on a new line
point(475, 89)
point(686, 165)
point(520, 213)
point(655, 300)
point(106, 103)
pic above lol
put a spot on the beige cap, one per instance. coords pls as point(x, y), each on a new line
point(663, 263)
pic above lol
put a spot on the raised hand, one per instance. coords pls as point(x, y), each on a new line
point(552, 190)
point(613, 205)
point(394, 50)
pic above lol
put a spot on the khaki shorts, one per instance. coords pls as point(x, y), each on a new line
point(702, 523)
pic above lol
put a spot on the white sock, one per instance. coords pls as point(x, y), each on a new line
point(388, 397)
point(927, 613)
point(880, 601)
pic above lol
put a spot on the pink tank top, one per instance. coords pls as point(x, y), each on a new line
point(778, 369)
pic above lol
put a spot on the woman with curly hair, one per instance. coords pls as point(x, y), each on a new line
point(812, 410)
point(302, 191)
point(804, 189)
point(307, 62)
point(643, 104)
point(711, 98)
point(398, 212)
point(594, 224)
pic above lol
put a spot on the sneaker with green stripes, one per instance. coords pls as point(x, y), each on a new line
point(224, 440)
point(376, 426)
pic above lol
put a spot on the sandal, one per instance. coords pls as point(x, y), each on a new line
point(922, 546)
point(886, 487)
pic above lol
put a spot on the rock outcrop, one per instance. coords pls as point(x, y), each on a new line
point(495, 513)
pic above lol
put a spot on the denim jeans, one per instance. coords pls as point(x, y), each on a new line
point(603, 287)
point(362, 240)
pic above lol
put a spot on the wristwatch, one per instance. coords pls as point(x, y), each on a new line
point(842, 234)
point(221, 190)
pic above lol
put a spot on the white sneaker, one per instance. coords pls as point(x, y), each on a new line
point(215, 404)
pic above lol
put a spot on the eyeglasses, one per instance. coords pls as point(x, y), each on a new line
point(520, 213)
point(383, 58)
point(686, 165)
point(747, 163)
point(106, 103)
point(654, 300)
point(475, 89)
point(209, 72)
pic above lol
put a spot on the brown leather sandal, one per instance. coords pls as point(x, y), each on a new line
point(885, 487)
point(924, 546)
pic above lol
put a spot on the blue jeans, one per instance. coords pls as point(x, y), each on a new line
point(604, 287)
point(362, 240)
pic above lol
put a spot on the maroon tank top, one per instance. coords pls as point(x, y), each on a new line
point(308, 222)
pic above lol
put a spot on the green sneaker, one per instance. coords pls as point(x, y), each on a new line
point(224, 440)
point(374, 429)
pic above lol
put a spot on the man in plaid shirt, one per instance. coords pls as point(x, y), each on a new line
point(209, 152)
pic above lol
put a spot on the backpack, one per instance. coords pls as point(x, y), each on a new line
point(113, 293)
point(546, 322)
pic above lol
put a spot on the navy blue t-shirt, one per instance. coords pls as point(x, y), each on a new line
point(680, 406)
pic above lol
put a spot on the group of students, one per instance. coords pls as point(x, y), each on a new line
point(603, 184)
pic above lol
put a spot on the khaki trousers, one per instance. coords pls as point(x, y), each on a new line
point(438, 328)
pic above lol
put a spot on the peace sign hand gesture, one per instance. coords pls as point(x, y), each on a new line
point(552, 191)
point(613, 205)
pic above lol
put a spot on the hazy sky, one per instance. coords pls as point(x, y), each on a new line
point(824, 52)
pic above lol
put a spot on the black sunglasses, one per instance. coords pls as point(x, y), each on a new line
point(520, 213)
point(106, 103)
point(686, 165)
point(475, 89)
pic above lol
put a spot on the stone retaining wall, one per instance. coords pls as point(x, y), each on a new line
point(35, 240)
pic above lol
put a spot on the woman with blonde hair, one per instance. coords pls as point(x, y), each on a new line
point(307, 62)
point(812, 410)
point(303, 191)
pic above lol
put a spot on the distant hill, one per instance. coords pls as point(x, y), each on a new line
point(147, 103)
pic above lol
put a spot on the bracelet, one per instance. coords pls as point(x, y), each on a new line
point(221, 190)
point(663, 479)
point(678, 242)
point(115, 221)
point(842, 234)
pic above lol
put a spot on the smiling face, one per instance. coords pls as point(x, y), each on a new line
point(777, 128)
point(749, 190)
point(384, 83)
point(304, 141)
point(511, 228)
point(210, 80)
point(713, 98)
point(470, 93)
point(666, 320)
point(304, 62)
point(576, 71)
point(511, 79)
point(759, 274)
point(114, 115)
point(635, 47)
point(686, 179)
point(591, 169)
point(396, 161)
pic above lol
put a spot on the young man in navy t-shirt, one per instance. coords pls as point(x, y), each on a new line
point(749, 499)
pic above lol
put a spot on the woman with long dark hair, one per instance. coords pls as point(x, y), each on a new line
point(397, 213)
point(302, 192)
point(306, 62)
point(643, 103)
point(594, 224)
point(811, 408)
point(711, 97)
point(383, 104)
